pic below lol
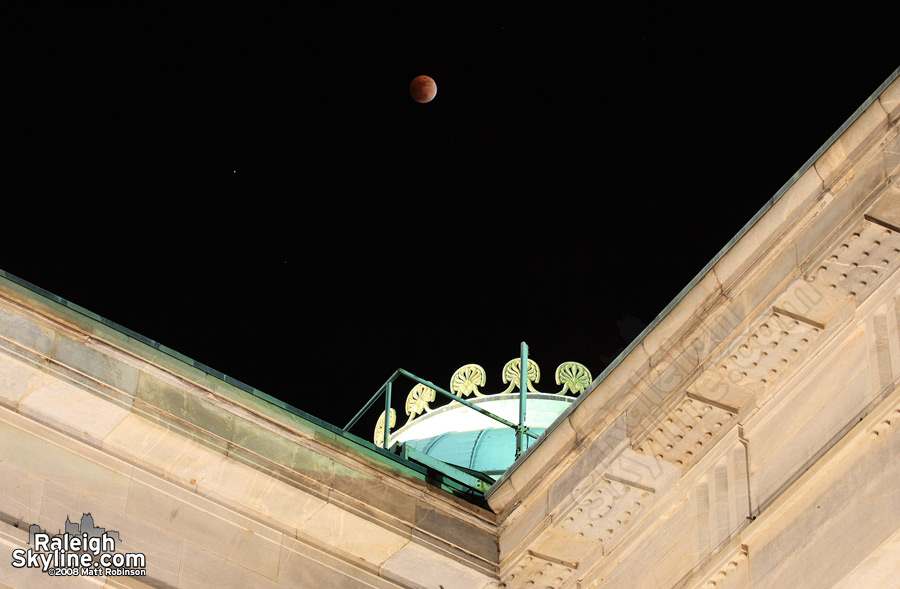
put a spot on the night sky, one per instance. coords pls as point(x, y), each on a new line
point(257, 190)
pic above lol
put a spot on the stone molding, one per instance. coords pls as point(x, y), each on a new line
point(229, 433)
point(731, 344)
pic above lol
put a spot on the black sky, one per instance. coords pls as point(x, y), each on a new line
point(256, 189)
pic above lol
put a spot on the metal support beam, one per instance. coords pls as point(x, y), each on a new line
point(462, 401)
point(387, 414)
point(371, 401)
point(478, 482)
point(523, 399)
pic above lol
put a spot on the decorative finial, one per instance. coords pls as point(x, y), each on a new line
point(466, 380)
point(379, 428)
point(512, 373)
point(574, 377)
point(418, 400)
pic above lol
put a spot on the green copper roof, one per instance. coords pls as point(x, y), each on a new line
point(489, 451)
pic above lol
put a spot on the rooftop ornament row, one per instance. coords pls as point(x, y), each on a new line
point(467, 381)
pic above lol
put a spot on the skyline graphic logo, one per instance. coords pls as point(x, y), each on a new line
point(81, 550)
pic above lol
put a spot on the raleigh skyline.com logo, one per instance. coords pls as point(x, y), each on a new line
point(81, 550)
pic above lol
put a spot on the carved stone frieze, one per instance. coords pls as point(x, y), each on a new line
point(758, 359)
point(865, 256)
point(684, 432)
point(730, 569)
point(533, 571)
point(892, 419)
point(607, 508)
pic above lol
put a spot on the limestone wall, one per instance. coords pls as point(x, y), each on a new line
point(737, 442)
point(215, 486)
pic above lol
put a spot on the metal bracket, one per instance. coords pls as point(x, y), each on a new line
point(525, 431)
point(470, 478)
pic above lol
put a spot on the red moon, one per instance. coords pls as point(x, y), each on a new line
point(422, 89)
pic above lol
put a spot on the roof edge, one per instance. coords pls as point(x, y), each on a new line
point(638, 340)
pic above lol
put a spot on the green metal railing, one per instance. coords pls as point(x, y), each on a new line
point(521, 429)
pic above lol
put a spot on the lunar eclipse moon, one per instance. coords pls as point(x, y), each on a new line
point(422, 89)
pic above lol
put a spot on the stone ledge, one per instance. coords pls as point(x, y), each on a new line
point(222, 426)
point(853, 141)
point(890, 100)
point(796, 218)
point(823, 499)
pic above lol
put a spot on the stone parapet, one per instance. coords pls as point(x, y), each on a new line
point(196, 470)
point(751, 376)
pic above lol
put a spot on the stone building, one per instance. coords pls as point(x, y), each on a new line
point(748, 438)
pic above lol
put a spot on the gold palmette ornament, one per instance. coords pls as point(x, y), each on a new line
point(512, 374)
point(574, 377)
point(466, 380)
point(418, 400)
point(379, 428)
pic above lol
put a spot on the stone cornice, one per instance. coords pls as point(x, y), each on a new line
point(731, 342)
point(233, 429)
point(776, 249)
